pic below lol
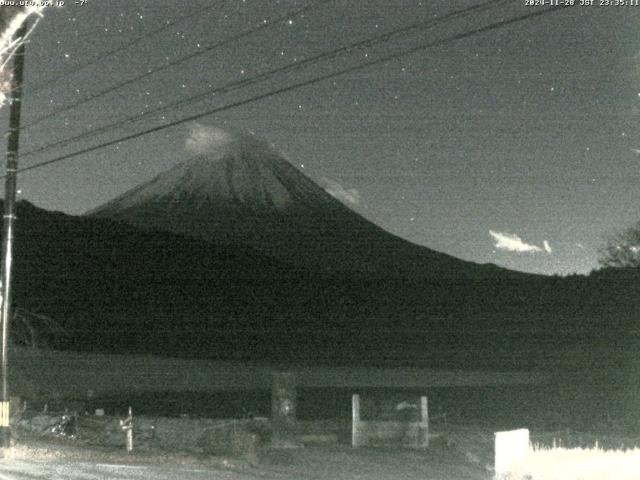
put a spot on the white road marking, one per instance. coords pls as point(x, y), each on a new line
point(114, 465)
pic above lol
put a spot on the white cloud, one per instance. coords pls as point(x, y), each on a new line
point(336, 190)
point(513, 243)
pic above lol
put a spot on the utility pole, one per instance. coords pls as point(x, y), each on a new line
point(9, 216)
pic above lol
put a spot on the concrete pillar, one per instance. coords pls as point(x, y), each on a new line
point(423, 439)
point(355, 420)
point(283, 410)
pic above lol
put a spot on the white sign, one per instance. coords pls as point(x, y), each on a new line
point(511, 449)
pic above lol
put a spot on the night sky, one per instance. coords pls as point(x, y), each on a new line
point(517, 146)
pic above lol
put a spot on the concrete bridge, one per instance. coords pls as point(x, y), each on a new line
point(47, 373)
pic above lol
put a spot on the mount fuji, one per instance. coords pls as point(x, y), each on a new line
point(235, 254)
point(238, 189)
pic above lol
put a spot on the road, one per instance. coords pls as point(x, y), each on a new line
point(66, 470)
point(323, 463)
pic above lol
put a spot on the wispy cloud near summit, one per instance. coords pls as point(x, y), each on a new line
point(203, 137)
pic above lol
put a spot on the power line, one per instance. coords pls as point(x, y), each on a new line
point(116, 50)
point(191, 56)
point(230, 86)
point(296, 86)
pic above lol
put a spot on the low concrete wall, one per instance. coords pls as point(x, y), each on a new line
point(380, 432)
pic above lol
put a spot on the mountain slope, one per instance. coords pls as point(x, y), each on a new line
point(240, 190)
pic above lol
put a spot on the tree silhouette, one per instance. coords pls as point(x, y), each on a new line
point(622, 250)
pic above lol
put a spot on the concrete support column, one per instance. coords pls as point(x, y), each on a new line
point(423, 429)
point(283, 410)
point(355, 420)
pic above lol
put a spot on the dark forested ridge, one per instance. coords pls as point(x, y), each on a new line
point(114, 288)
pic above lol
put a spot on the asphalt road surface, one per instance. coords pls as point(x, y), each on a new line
point(323, 463)
point(66, 470)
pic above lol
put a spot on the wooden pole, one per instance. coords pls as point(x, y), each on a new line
point(7, 232)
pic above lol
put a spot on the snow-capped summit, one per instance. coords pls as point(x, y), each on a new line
point(240, 189)
point(229, 170)
point(236, 188)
